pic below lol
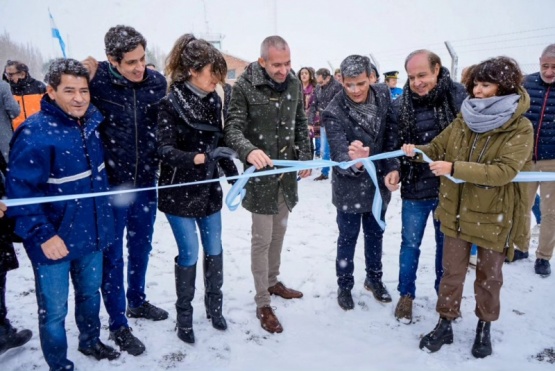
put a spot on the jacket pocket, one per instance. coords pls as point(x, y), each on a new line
point(113, 103)
point(484, 199)
point(66, 224)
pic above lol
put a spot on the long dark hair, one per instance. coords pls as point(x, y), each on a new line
point(189, 53)
point(311, 77)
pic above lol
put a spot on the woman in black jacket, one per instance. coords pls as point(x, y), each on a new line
point(190, 145)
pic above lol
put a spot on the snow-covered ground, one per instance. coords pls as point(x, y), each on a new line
point(318, 335)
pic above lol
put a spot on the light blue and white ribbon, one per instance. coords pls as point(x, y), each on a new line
point(237, 191)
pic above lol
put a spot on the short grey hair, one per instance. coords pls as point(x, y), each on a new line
point(549, 51)
point(275, 41)
point(354, 65)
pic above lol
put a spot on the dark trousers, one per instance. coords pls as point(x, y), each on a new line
point(349, 228)
point(3, 310)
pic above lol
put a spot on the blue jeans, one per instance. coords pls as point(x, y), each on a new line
point(414, 217)
point(138, 218)
point(186, 236)
point(349, 228)
point(52, 288)
point(324, 150)
point(317, 144)
point(536, 209)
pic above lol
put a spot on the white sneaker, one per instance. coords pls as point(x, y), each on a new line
point(535, 232)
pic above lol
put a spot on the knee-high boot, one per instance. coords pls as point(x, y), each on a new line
point(213, 281)
point(185, 289)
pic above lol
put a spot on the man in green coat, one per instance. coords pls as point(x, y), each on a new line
point(266, 120)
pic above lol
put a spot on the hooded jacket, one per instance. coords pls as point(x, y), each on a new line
point(67, 158)
point(260, 117)
point(489, 209)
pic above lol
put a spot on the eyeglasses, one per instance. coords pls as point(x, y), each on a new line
point(11, 74)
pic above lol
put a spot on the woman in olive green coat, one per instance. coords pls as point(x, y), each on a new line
point(486, 146)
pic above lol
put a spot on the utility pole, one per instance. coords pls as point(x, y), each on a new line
point(454, 60)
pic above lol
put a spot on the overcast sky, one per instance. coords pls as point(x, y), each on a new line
point(319, 32)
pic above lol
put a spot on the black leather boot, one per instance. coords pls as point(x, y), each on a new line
point(213, 281)
point(482, 343)
point(442, 334)
point(185, 289)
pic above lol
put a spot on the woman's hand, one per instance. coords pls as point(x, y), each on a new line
point(441, 168)
point(408, 149)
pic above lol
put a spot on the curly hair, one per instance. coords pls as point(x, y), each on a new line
point(122, 39)
point(503, 71)
point(189, 53)
point(65, 66)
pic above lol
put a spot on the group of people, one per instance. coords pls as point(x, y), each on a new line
point(113, 125)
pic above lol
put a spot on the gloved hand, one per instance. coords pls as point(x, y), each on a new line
point(219, 153)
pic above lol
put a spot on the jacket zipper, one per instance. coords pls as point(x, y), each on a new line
point(136, 136)
point(173, 175)
point(540, 124)
point(24, 108)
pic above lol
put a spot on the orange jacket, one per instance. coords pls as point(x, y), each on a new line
point(29, 105)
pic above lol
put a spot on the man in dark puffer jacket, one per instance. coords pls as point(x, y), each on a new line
point(127, 93)
point(541, 88)
point(429, 103)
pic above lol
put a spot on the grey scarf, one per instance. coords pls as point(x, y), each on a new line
point(485, 114)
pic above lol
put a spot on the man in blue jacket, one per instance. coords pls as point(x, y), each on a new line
point(541, 88)
point(58, 152)
point(127, 93)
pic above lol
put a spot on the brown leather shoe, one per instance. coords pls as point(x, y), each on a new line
point(268, 319)
point(279, 289)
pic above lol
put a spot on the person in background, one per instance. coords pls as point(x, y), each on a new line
point(375, 75)
point(486, 146)
point(327, 88)
point(66, 238)
point(337, 75)
point(391, 81)
point(308, 81)
point(127, 94)
point(541, 87)
point(26, 90)
point(355, 121)
point(429, 103)
point(190, 146)
point(275, 128)
point(9, 110)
